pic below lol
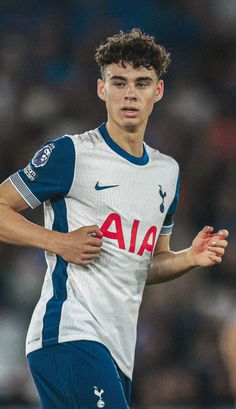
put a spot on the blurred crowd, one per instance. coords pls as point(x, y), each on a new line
point(186, 336)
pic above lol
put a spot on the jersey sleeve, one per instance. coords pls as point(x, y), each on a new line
point(49, 175)
point(168, 224)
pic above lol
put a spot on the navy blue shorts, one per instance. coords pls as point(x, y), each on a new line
point(79, 375)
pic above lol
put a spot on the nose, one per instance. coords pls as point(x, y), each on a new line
point(130, 94)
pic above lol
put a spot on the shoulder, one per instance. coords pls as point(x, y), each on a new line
point(87, 139)
point(64, 149)
point(53, 150)
point(165, 160)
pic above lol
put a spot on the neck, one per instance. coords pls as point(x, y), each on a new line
point(129, 139)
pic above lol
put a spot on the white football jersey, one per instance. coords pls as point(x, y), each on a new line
point(84, 180)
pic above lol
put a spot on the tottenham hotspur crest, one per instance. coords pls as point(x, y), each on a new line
point(100, 403)
point(163, 195)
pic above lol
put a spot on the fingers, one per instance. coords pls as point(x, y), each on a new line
point(93, 241)
point(217, 247)
point(207, 229)
point(82, 245)
point(84, 258)
point(209, 246)
point(94, 244)
point(93, 230)
point(88, 257)
point(218, 243)
point(92, 250)
point(219, 251)
point(216, 259)
point(223, 233)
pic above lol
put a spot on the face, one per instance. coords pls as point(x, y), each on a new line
point(129, 94)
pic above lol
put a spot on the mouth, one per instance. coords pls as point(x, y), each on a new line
point(129, 112)
point(130, 109)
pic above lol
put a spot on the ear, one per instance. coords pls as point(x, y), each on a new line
point(101, 90)
point(159, 91)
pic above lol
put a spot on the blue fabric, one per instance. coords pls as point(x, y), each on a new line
point(52, 317)
point(79, 375)
point(174, 204)
point(172, 209)
point(50, 173)
point(116, 148)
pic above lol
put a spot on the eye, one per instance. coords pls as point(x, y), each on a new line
point(119, 84)
point(142, 84)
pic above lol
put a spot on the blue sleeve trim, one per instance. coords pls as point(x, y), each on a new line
point(50, 173)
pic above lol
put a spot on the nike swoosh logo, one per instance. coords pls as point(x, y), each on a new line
point(98, 187)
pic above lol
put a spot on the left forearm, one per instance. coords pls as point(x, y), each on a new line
point(207, 250)
point(168, 265)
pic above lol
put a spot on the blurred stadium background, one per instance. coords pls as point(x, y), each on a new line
point(186, 349)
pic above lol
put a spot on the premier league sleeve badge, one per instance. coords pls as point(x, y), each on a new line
point(41, 157)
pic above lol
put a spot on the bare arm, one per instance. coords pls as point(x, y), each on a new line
point(206, 250)
point(78, 247)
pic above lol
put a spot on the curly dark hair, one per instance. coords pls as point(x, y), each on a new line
point(134, 47)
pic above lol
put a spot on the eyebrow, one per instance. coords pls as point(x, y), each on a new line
point(120, 77)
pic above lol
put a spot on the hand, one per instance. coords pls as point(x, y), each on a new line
point(81, 246)
point(208, 248)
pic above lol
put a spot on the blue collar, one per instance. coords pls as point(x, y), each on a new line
point(116, 148)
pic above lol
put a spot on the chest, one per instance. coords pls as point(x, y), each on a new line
point(106, 184)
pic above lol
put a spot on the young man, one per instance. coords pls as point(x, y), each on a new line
point(108, 200)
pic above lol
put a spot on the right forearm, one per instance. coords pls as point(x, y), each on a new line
point(15, 229)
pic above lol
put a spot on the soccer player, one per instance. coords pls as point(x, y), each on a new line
point(109, 201)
